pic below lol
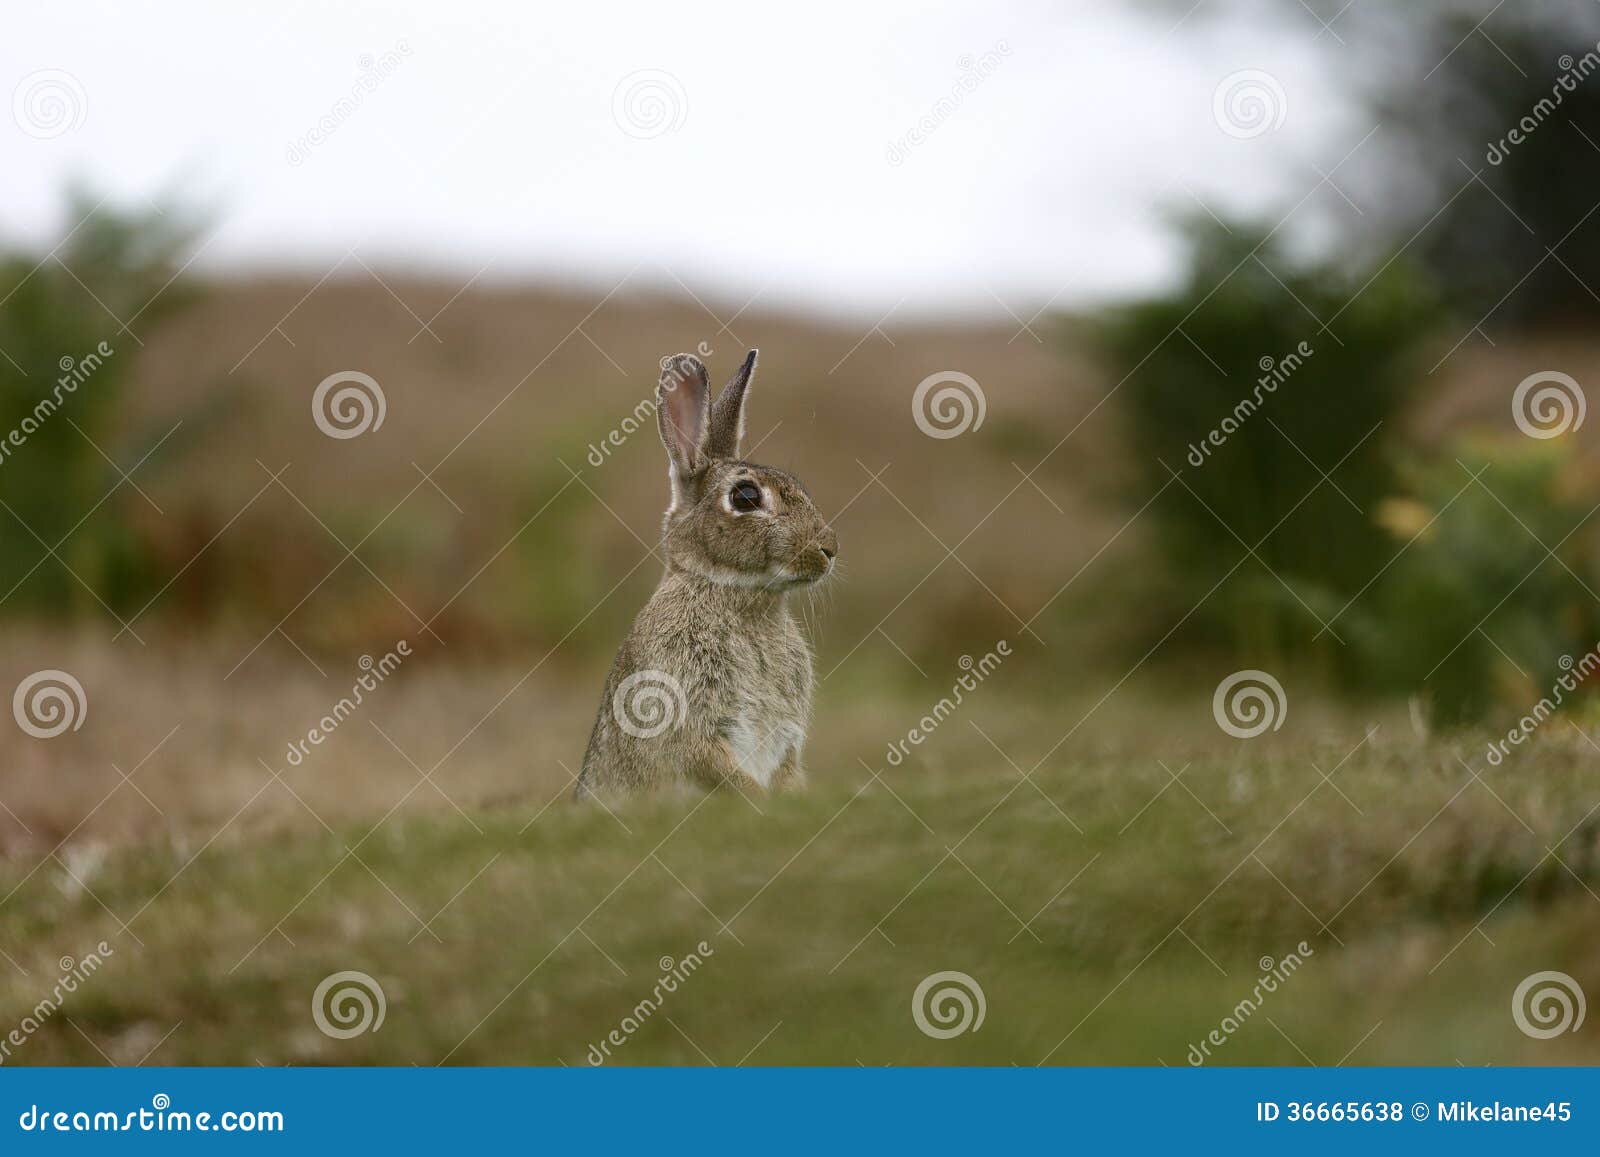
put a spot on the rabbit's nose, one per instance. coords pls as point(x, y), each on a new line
point(829, 543)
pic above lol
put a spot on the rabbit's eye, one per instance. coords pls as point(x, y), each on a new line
point(745, 497)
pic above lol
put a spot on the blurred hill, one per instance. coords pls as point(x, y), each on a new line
point(479, 503)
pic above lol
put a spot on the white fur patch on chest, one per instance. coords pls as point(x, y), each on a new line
point(759, 748)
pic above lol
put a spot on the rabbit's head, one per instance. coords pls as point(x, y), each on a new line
point(732, 521)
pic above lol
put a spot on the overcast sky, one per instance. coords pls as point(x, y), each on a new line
point(738, 148)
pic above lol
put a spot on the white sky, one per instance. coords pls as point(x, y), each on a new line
point(494, 141)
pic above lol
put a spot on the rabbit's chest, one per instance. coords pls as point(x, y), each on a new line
point(765, 699)
point(760, 745)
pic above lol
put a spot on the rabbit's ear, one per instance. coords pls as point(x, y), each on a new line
point(683, 398)
point(727, 416)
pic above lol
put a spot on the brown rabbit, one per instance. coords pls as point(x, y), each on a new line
point(712, 686)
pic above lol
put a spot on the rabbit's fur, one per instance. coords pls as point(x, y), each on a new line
point(712, 686)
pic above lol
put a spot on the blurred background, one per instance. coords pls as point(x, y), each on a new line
point(1258, 336)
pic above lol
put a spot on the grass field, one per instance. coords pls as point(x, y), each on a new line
point(1109, 912)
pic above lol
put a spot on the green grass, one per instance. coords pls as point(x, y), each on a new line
point(1143, 930)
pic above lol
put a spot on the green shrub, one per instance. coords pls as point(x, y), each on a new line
point(1236, 401)
point(65, 360)
point(1476, 614)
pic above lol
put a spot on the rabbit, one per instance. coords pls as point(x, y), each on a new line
point(712, 686)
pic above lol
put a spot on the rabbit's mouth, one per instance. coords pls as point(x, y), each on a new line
point(810, 566)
